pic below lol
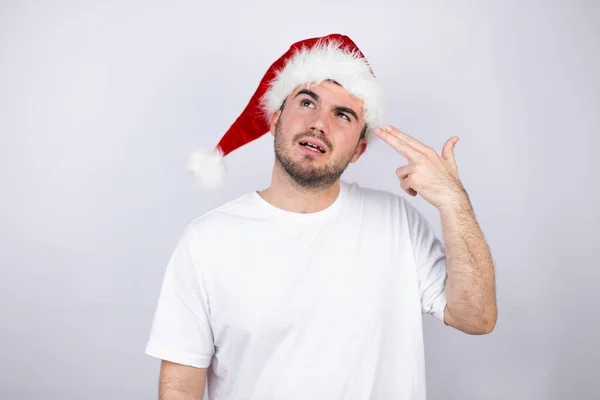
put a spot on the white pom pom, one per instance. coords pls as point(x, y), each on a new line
point(208, 167)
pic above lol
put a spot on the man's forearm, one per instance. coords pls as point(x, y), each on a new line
point(470, 286)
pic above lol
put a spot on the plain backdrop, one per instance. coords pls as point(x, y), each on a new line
point(101, 103)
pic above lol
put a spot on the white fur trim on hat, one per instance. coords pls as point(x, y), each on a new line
point(328, 61)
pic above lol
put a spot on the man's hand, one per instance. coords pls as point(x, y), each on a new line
point(470, 287)
point(427, 173)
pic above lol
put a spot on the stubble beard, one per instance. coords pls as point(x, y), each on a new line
point(302, 172)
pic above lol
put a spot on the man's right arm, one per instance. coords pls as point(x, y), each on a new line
point(181, 333)
point(181, 382)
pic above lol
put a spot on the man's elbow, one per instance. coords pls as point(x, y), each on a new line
point(486, 328)
point(481, 325)
point(486, 324)
point(479, 328)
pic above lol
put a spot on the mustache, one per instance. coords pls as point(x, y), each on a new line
point(321, 137)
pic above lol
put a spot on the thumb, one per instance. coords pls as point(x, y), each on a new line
point(448, 149)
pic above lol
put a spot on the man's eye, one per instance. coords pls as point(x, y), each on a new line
point(343, 116)
point(307, 103)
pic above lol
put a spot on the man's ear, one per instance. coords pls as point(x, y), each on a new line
point(273, 123)
point(360, 149)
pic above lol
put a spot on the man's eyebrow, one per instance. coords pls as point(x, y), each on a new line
point(308, 92)
point(336, 108)
point(346, 110)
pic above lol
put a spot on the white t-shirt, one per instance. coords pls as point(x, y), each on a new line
point(284, 305)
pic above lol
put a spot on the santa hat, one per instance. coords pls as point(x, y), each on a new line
point(335, 57)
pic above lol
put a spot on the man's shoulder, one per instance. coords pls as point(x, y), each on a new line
point(373, 195)
point(389, 206)
point(237, 209)
point(380, 201)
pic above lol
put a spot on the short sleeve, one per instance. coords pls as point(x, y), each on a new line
point(181, 331)
point(430, 260)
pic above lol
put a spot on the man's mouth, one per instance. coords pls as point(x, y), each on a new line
point(313, 147)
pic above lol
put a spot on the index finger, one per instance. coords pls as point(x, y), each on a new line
point(407, 138)
point(402, 146)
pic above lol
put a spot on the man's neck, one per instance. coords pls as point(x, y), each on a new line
point(284, 193)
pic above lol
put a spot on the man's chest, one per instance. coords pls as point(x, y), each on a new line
point(283, 285)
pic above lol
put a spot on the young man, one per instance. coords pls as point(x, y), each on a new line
point(314, 287)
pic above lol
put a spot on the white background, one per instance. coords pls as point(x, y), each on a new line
point(101, 102)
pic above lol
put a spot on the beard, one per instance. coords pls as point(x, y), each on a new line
point(302, 172)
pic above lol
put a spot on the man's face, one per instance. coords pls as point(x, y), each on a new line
point(318, 134)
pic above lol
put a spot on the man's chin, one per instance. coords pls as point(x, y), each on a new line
point(313, 178)
point(307, 172)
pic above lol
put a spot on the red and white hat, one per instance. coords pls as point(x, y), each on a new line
point(334, 57)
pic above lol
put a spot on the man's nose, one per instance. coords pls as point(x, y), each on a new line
point(320, 122)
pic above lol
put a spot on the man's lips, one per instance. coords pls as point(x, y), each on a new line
point(311, 152)
point(313, 145)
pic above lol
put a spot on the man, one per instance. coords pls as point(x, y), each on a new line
point(314, 287)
